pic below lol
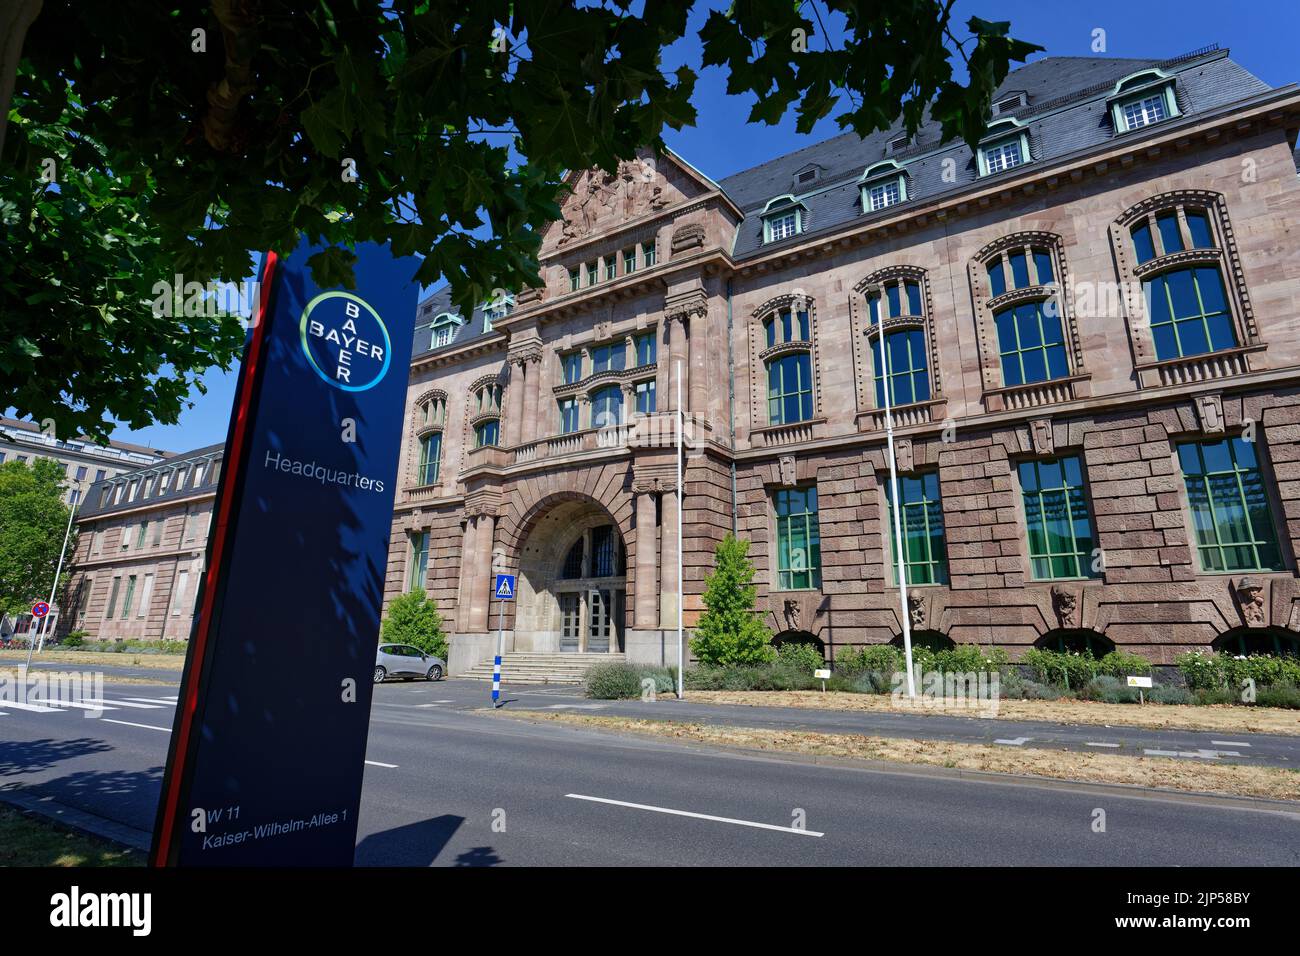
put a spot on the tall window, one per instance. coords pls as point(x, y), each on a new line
point(611, 267)
point(430, 459)
point(146, 596)
point(1031, 343)
point(787, 325)
point(789, 389)
point(487, 432)
point(645, 397)
point(798, 542)
point(908, 375)
point(608, 358)
point(112, 598)
point(569, 415)
point(1056, 514)
point(1230, 508)
point(647, 349)
point(648, 253)
point(923, 543)
point(607, 407)
point(141, 533)
point(575, 279)
point(572, 367)
point(629, 260)
point(419, 561)
point(593, 273)
point(130, 595)
point(1186, 303)
point(182, 586)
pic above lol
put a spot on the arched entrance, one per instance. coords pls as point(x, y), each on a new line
point(572, 582)
point(1247, 641)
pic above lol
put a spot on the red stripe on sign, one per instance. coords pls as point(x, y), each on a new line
point(189, 695)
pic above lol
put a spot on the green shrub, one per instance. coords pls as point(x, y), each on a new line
point(1279, 695)
point(1122, 664)
point(800, 657)
point(731, 631)
point(1108, 690)
point(1015, 686)
point(1216, 695)
point(74, 639)
point(1216, 670)
point(1061, 668)
point(615, 680)
point(883, 658)
point(1169, 694)
point(414, 619)
point(964, 658)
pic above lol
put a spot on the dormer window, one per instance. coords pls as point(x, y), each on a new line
point(899, 143)
point(1143, 99)
point(1006, 147)
point(497, 308)
point(1012, 101)
point(882, 185)
point(444, 329)
point(782, 218)
point(805, 177)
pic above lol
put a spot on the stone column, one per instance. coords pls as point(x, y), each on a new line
point(465, 593)
point(479, 576)
point(645, 614)
point(698, 399)
point(515, 403)
point(676, 351)
point(668, 559)
point(533, 385)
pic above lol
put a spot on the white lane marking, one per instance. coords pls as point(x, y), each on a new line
point(33, 708)
point(127, 723)
point(1229, 743)
point(82, 705)
point(1098, 743)
point(436, 703)
point(1200, 754)
point(376, 763)
point(697, 816)
point(170, 700)
point(110, 704)
point(1016, 742)
point(153, 701)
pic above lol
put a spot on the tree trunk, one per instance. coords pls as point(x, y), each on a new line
point(15, 17)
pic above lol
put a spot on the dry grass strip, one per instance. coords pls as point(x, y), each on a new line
point(1195, 776)
point(1227, 718)
point(93, 660)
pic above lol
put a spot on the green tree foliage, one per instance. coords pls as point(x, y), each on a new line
point(730, 631)
point(184, 134)
point(413, 619)
point(33, 519)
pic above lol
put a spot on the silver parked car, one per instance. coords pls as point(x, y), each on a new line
point(403, 660)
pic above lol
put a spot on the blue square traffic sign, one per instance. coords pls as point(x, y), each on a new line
point(505, 587)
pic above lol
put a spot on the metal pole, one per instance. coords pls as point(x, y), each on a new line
point(898, 519)
point(681, 645)
point(501, 649)
point(40, 632)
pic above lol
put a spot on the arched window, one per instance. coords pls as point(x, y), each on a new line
point(898, 334)
point(1194, 320)
point(607, 407)
point(1076, 641)
point(431, 410)
point(430, 458)
point(789, 388)
point(1031, 344)
point(930, 640)
point(787, 325)
point(1250, 641)
point(487, 432)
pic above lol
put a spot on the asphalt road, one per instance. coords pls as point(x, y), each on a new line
point(448, 785)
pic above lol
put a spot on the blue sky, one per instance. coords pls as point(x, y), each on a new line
point(1261, 35)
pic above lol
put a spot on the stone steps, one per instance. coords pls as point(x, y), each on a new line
point(529, 668)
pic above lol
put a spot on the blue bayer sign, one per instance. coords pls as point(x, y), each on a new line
point(269, 742)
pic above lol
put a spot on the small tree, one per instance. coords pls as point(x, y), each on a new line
point(731, 631)
point(33, 519)
point(413, 619)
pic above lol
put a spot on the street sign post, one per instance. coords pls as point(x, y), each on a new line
point(40, 609)
point(268, 744)
point(503, 590)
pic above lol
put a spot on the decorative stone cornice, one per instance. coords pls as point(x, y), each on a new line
point(680, 306)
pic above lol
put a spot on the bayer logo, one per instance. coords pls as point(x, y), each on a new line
point(345, 341)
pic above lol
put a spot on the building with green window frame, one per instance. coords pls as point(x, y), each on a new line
point(1087, 329)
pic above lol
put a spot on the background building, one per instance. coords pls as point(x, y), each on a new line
point(86, 462)
point(140, 550)
point(1080, 468)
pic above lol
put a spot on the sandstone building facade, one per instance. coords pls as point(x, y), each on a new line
point(1091, 327)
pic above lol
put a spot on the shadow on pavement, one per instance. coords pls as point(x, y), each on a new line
point(33, 756)
point(415, 844)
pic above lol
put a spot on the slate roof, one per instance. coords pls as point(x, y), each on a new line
point(1066, 113)
point(93, 505)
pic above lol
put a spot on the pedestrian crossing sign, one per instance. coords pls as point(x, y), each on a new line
point(505, 589)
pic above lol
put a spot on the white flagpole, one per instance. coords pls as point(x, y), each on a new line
point(681, 645)
point(898, 519)
point(40, 625)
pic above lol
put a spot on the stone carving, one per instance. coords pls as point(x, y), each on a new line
point(916, 611)
point(690, 236)
point(630, 191)
point(1066, 605)
point(1251, 600)
point(1209, 409)
point(786, 469)
point(1040, 430)
point(903, 454)
point(793, 614)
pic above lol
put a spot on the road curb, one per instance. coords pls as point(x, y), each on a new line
point(73, 819)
